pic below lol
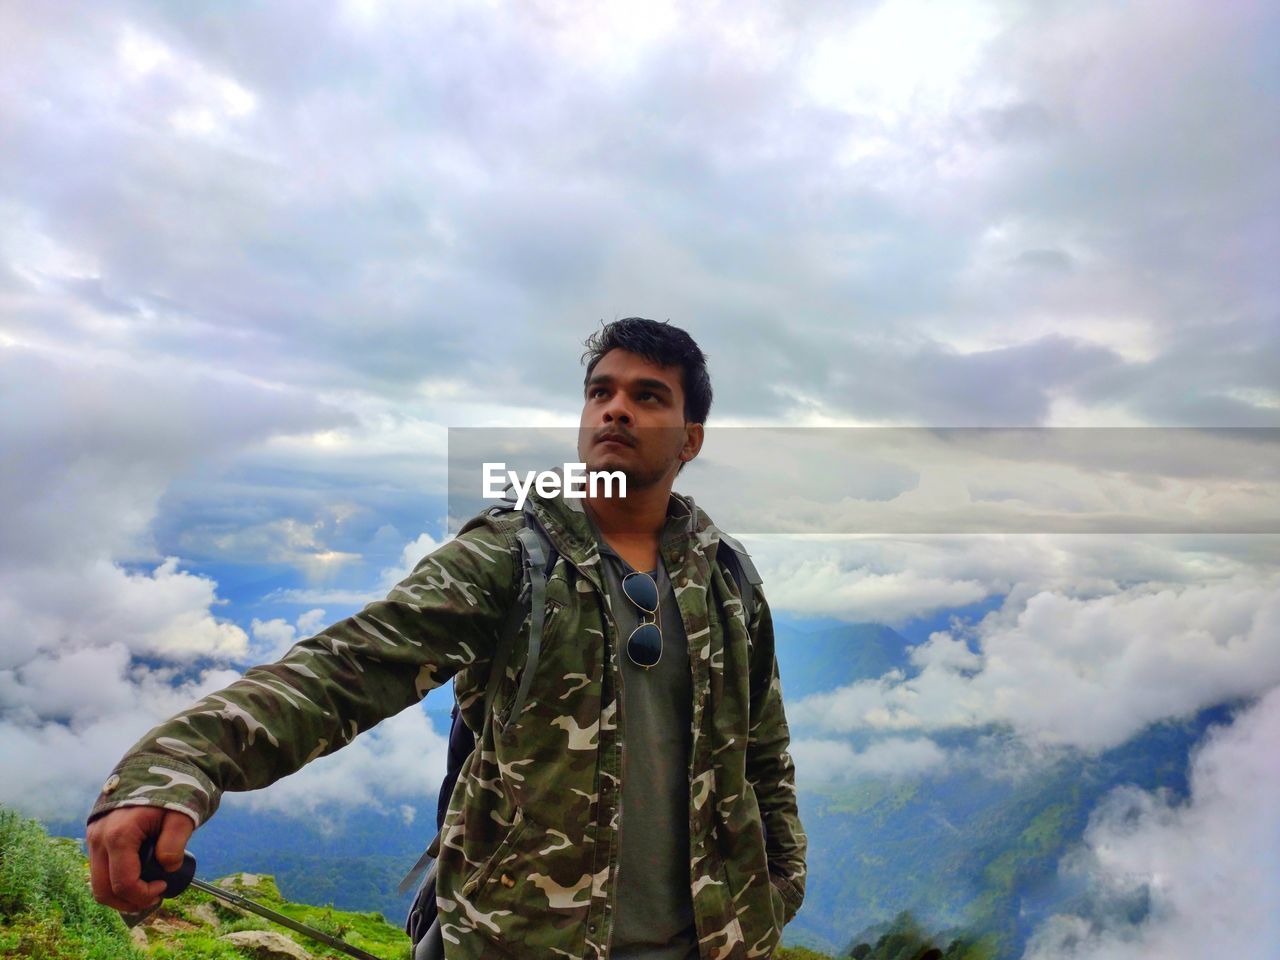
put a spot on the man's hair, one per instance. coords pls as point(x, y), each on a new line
point(664, 345)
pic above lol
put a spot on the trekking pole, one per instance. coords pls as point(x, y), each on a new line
point(185, 876)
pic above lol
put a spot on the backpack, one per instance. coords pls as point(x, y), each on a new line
point(539, 558)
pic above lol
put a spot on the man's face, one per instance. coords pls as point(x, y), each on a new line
point(633, 420)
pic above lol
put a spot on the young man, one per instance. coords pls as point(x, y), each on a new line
point(638, 802)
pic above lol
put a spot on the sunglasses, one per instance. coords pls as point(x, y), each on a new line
point(644, 646)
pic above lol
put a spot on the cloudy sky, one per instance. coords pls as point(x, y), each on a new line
point(256, 259)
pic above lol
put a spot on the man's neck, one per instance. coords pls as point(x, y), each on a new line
point(632, 525)
point(641, 513)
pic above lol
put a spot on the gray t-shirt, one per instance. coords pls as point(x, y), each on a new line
point(654, 919)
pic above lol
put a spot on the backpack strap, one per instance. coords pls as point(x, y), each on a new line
point(535, 561)
point(734, 555)
point(506, 641)
point(539, 557)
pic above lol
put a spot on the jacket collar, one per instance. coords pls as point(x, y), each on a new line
point(567, 525)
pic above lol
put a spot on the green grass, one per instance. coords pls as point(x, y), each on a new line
point(46, 909)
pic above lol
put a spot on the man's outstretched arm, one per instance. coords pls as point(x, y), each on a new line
point(313, 701)
point(770, 769)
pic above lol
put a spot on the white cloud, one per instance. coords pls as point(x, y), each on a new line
point(962, 122)
point(1084, 672)
point(277, 635)
point(159, 82)
point(64, 722)
point(861, 579)
point(310, 622)
point(165, 613)
point(1206, 865)
point(901, 61)
point(76, 695)
point(413, 552)
point(819, 587)
point(106, 650)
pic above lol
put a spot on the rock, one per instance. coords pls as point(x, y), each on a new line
point(166, 922)
point(266, 945)
point(205, 913)
point(139, 936)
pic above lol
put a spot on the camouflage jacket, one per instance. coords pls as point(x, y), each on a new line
point(529, 849)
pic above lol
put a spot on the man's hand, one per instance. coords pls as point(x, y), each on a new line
point(113, 842)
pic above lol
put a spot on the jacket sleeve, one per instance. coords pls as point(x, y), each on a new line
point(770, 769)
point(328, 688)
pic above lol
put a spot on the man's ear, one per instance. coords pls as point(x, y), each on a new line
point(693, 437)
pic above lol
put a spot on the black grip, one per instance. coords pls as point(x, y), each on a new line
point(175, 882)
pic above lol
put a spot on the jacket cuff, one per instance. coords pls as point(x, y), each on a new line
point(157, 780)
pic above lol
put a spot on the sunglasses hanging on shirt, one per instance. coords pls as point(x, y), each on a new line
point(644, 646)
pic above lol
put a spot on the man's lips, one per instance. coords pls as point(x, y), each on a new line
point(617, 438)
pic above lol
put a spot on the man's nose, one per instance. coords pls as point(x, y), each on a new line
point(618, 412)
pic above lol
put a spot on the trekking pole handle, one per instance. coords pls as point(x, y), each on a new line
point(175, 882)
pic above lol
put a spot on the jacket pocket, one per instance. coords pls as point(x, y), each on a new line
point(529, 900)
point(505, 851)
point(520, 687)
point(758, 903)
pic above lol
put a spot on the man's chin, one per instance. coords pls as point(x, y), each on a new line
point(608, 463)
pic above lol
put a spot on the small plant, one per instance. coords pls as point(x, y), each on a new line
point(328, 923)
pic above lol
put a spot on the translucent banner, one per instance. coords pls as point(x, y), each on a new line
point(848, 480)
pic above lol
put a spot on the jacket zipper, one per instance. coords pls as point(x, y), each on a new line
point(622, 769)
point(612, 623)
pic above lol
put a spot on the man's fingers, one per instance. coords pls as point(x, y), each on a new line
point(172, 843)
point(100, 877)
point(124, 869)
point(114, 866)
point(127, 887)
